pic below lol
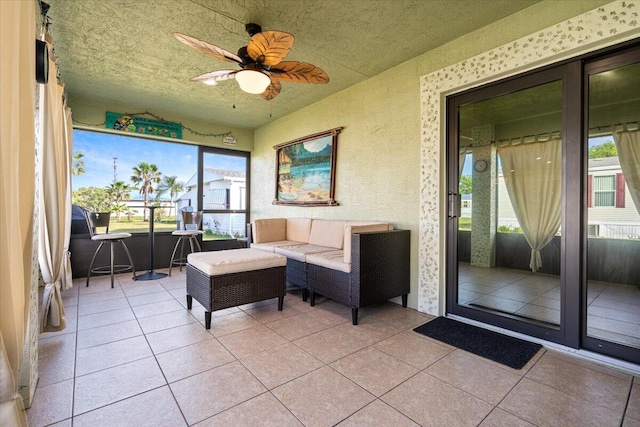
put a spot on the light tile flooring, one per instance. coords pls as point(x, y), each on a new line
point(134, 356)
point(613, 310)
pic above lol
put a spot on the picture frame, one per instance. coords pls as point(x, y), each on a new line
point(306, 169)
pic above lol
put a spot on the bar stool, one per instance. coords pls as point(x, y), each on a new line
point(190, 231)
point(95, 220)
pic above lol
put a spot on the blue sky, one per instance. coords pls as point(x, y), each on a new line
point(99, 149)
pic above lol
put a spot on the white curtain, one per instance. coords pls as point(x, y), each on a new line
point(17, 187)
point(628, 145)
point(54, 204)
point(533, 177)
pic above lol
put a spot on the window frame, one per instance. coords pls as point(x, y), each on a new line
point(231, 243)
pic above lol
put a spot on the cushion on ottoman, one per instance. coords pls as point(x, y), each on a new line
point(216, 263)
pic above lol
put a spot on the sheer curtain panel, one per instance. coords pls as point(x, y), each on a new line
point(17, 187)
point(628, 145)
point(54, 204)
point(533, 177)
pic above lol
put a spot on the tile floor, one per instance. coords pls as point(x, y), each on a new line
point(613, 310)
point(134, 356)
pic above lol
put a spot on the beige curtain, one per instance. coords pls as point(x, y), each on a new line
point(628, 145)
point(533, 177)
point(54, 204)
point(17, 187)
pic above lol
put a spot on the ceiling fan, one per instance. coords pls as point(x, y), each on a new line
point(261, 63)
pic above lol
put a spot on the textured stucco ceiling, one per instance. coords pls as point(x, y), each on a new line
point(122, 51)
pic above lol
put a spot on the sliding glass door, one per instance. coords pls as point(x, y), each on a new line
point(612, 176)
point(509, 183)
point(544, 204)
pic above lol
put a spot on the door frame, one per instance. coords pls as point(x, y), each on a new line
point(215, 245)
point(569, 315)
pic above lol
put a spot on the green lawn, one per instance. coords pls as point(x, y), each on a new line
point(140, 226)
point(464, 223)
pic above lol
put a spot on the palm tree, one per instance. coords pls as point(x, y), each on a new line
point(172, 185)
point(145, 175)
point(119, 191)
point(77, 166)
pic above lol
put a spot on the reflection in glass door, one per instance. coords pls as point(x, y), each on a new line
point(612, 179)
point(223, 195)
point(544, 204)
point(510, 183)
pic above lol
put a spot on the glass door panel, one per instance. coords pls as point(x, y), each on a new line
point(612, 178)
point(224, 195)
point(510, 186)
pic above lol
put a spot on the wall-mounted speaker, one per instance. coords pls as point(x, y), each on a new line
point(42, 62)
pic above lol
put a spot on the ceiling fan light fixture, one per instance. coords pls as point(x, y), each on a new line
point(253, 81)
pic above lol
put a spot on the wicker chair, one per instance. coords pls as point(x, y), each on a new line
point(379, 271)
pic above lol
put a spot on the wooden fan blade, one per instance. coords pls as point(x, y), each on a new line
point(299, 72)
point(269, 47)
point(217, 76)
point(272, 90)
point(208, 49)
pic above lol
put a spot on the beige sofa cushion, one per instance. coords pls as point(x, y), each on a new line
point(332, 259)
point(298, 229)
point(215, 263)
point(299, 253)
point(269, 230)
point(360, 227)
point(271, 246)
point(327, 233)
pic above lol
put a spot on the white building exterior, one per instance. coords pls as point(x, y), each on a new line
point(612, 214)
point(223, 190)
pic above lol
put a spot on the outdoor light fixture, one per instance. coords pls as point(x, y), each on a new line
point(253, 81)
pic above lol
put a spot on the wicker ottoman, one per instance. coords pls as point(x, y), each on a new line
point(223, 279)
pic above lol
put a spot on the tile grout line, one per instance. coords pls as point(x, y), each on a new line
point(156, 358)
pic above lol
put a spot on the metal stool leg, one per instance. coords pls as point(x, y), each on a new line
point(181, 253)
point(126, 249)
point(95, 254)
point(173, 254)
point(111, 261)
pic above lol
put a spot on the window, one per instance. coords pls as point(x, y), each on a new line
point(124, 175)
point(224, 181)
point(604, 190)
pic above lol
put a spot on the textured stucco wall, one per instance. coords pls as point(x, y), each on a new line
point(379, 151)
point(91, 114)
point(377, 169)
point(595, 29)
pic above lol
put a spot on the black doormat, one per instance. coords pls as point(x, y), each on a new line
point(500, 348)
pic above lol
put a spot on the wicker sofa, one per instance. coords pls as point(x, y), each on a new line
point(356, 263)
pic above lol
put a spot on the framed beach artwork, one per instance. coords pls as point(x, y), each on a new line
point(306, 169)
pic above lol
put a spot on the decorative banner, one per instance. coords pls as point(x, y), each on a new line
point(134, 124)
